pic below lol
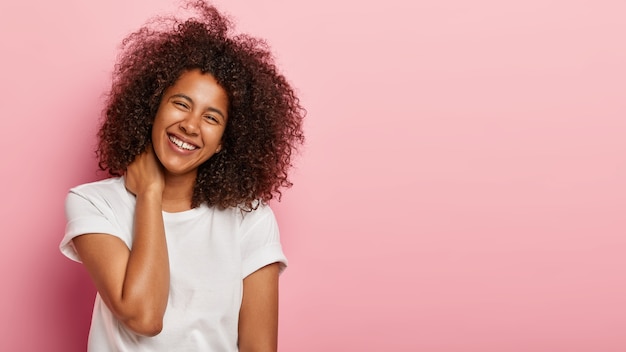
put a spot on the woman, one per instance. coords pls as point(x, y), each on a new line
point(198, 134)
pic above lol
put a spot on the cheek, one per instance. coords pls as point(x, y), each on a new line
point(159, 122)
point(153, 132)
point(213, 134)
point(156, 132)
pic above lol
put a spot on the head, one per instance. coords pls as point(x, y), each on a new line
point(189, 124)
point(264, 118)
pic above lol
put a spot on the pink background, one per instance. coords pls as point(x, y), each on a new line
point(462, 187)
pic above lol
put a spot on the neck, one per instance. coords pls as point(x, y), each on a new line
point(178, 192)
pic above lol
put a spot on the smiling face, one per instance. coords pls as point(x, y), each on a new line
point(189, 123)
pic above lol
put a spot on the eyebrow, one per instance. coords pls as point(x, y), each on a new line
point(210, 108)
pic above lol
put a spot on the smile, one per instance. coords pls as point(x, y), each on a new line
point(181, 144)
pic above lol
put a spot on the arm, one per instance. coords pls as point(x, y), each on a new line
point(134, 284)
point(258, 317)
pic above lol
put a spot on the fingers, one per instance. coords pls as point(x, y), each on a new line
point(144, 173)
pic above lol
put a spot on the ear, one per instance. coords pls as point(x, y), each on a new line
point(219, 148)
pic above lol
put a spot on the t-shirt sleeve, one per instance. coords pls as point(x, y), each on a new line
point(84, 216)
point(260, 243)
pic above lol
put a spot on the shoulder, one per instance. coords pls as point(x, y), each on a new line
point(246, 220)
point(260, 240)
point(105, 194)
point(262, 210)
point(249, 217)
point(106, 187)
point(98, 207)
point(257, 220)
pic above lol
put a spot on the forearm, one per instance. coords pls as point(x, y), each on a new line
point(146, 284)
point(258, 317)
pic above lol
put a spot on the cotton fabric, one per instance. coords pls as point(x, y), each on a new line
point(210, 251)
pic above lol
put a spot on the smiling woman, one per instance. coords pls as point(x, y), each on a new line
point(190, 123)
point(181, 245)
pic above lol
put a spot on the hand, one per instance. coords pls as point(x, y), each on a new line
point(145, 174)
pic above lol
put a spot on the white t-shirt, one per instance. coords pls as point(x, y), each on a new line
point(210, 251)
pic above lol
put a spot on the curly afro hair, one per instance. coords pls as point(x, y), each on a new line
point(264, 127)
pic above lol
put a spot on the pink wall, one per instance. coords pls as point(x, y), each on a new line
point(462, 188)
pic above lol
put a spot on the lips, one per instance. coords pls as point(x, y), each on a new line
point(181, 144)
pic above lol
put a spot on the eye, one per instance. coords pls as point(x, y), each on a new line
point(181, 104)
point(212, 118)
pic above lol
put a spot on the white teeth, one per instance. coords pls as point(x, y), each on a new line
point(181, 144)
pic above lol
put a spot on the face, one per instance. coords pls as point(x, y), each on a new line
point(189, 123)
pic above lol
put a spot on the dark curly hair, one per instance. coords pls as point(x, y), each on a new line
point(264, 125)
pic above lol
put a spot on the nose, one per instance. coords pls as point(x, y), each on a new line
point(189, 125)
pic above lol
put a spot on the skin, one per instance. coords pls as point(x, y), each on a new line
point(134, 284)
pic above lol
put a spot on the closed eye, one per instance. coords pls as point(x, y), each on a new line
point(212, 119)
point(181, 104)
